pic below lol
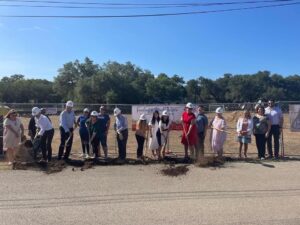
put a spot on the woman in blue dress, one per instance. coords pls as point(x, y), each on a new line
point(83, 132)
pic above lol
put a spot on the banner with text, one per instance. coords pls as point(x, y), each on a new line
point(294, 114)
point(174, 111)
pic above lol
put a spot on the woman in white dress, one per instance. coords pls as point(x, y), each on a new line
point(155, 136)
point(13, 131)
point(164, 127)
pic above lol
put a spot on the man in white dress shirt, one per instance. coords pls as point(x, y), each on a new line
point(46, 132)
point(275, 116)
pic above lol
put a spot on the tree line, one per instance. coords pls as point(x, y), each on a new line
point(113, 82)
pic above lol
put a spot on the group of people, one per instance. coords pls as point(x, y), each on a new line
point(94, 128)
point(265, 125)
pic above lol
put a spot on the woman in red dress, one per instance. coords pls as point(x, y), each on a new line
point(189, 135)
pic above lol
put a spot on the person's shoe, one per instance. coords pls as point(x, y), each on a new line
point(43, 161)
point(82, 155)
point(262, 158)
point(9, 163)
point(86, 156)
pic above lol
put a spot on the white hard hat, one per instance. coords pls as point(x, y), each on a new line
point(219, 110)
point(117, 111)
point(86, 110)
point(35, 111)
point(143, 117)
point(189, 105)
point(69, 104)
point(165, 113)
point(94, 113)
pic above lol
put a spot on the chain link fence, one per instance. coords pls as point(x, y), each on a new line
point(232, 112)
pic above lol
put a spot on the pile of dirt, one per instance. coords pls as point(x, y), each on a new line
point(175, 171)
point(213, 161)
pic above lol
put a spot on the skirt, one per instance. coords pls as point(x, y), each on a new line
point(244, 139)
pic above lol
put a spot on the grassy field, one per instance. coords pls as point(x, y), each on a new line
point(291, 139)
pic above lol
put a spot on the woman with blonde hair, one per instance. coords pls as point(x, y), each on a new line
point(13, 132)
point(244, 128)
point(140, 135)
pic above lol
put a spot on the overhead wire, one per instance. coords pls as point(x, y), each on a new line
point(149, 15)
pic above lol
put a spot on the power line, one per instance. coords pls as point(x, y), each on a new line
point(140, 6)
point(147, 15)
point(144, 4)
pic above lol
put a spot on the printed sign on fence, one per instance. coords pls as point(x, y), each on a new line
point(174, 111)
point(51, 111)
point(294, 113)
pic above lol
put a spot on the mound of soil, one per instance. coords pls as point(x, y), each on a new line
point(175, 171)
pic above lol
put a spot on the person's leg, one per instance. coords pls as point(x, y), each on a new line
point(269, 142)
point(83, 143)
point(276, 140)
point(95, 144)
point(104, 145)
point(43, 145)
point(63, 137)
point(245, 150)
point(49, 144)
point(240, 149)
point(139, 150)
point(119, 146)
point(257, 142)
point(69, 145)
point(125, 138)
point(10, 153)
point(263, 145)
point(186, 151)
point(193, 152)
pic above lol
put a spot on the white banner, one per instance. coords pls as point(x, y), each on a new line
point(175, 112)
point(294, 113)
point(51, 111)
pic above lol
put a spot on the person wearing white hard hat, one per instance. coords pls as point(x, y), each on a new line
point(46, 133)
point(121, 128)
point(218, 135)
point(105, 124)
point(83, 132)
point(155, 135)
point(67, 120)
point(164, 126)
point(95, 132)
point(140, 135)
point(189, 133)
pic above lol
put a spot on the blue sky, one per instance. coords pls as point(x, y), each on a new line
point(207, 44)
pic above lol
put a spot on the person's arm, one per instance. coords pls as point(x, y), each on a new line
point(193, 122)
point(123, 124)
point(150, 129)
point(74, 121)
point(269, 127)
point(107, 126)
point(63, 120)
point(78, 121)
point(42, 125)
point(250, 126)
point(281, 120)
point(238, 127)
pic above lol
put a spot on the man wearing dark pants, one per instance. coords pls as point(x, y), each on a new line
point(67, 120)
point(121, 127)
point(202, 124)
point(275, 116)
point(46, 132)
point(105, 124)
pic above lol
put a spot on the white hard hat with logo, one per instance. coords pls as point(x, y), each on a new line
point(70, 104)
point(35, 111)
point(165, 113)
point(219, 110)
point(94, 113)
point(189, 105)
point(86, 110)
point(143, 117)
point(117, 111)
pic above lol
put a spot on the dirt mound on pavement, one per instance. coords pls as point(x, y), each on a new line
point(175, 171)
